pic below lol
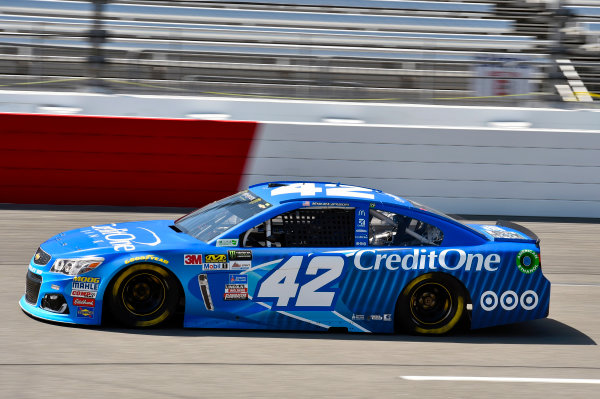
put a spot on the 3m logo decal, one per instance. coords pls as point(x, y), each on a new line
point(192, 259)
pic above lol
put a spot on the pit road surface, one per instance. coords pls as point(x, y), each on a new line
point(41, 360)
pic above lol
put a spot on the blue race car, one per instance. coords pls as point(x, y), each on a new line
point(294, 256)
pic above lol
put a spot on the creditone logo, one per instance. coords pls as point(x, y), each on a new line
point(448, 259)
point(215, 258)
point(528, 261)
point(509, 300)
point(122, 239)
point(192, 259)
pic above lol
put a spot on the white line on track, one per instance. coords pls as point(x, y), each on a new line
point(499, 379)
point(574, 285)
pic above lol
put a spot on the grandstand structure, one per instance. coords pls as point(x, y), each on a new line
point(383, 50)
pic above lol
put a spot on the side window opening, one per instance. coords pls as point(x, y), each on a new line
point(392, 229)
point(305, 227)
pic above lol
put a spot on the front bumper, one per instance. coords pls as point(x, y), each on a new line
point(41, 284)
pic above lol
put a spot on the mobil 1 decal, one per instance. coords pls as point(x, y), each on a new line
point(302, 283)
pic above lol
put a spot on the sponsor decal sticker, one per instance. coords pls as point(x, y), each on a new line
point(83, 294)
point(238, 279)
point(375, 317)
point(447, 259)
point(344, 204)
point(147, 257)
point(227, 242)
point(34, 270)
point(235, 297)
point(358, 317)
point(87, 279)
point(85, 312)
point(528, 261)
point(387, 317)
point(81, 283)
point(192, 259)
point(123, 239)
point(55, 287)
point(240, 265)
point(84, 302)
point(508, 300)
point(239, 254)
point(215, 266)
point(219, 258)
point(499, 232)
point(237, 288)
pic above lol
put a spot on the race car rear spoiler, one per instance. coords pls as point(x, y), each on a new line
point(522, 229)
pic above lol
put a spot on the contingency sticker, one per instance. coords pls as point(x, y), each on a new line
point(237, 288)
point(227, 242)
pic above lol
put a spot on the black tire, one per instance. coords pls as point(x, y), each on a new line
point(432, 304)
point(143, 295)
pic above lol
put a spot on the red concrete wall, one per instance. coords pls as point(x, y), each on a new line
point(90, 160)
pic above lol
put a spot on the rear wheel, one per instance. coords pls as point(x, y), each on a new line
point(143, 295)
point(433, 303)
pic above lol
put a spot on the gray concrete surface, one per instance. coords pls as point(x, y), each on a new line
point(41, 360)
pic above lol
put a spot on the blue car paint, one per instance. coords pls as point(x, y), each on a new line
point(356, 287)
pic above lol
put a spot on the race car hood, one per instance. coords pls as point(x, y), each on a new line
point(117, 238)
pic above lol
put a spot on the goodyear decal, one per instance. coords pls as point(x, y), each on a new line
point(147, 257)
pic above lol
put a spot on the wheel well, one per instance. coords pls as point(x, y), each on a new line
point(180, 290)
point(397, 326)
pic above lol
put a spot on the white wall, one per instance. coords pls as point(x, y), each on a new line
point(457, 170)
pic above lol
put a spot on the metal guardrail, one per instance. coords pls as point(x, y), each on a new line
point(373, 4)
point(181, 31)
point(262, 17)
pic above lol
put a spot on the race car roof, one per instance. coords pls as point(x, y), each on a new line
point(285, 191)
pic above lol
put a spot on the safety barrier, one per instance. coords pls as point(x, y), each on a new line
point(88, 160)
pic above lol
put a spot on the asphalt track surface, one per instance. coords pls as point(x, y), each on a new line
point(42, 360)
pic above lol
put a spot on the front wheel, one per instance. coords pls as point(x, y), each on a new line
point(143, 295)
point(433, 304)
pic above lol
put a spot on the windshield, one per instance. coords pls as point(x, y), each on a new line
point(216, 218)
